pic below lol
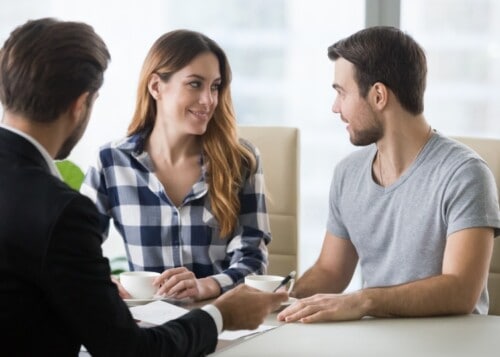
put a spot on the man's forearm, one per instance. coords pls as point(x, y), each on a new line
point(439, 295)
point(316, 280)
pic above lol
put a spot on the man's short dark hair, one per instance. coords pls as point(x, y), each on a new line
point(46, 64)
point(389, 56)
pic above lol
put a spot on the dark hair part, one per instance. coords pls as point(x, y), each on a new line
point(46, 64)
point(389, 56)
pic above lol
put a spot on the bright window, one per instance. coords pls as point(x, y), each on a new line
point(462, 43)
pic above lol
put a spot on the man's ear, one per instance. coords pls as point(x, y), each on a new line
point(378, 95)
point(79, 105)
point(154, 86)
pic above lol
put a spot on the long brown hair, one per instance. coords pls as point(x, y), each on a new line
point(227, 160)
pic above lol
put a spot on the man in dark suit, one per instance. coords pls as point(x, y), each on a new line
point(55, 286)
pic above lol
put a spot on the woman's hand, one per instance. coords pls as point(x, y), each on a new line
point(180, 283)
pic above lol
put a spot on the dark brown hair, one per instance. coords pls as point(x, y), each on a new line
point(389, 56)
point(46, 64)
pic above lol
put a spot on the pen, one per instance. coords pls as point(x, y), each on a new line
point(285, 280)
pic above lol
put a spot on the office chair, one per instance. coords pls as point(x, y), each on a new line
point(489, 150)
point(279, 148)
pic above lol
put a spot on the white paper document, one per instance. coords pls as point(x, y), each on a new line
point(159, 312)
point(233, 335)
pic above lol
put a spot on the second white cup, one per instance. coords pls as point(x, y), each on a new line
point(139, 284)
point(267, 282)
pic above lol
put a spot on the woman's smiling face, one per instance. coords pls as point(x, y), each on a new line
point(187, 100)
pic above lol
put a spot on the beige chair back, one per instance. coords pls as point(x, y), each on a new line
point(489, 150)
point(279, 148)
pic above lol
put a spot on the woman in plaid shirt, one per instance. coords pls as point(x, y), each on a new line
point(184, 192)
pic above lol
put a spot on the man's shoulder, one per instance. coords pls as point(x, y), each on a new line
point(56, 192)
point(37, 197)
point(450, 155)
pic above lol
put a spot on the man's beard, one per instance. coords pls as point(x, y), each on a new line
point(74, 137)
point(367, 136)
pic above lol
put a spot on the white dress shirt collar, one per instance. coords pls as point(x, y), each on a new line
point(50, 162)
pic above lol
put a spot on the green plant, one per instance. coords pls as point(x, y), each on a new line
point(71, 173)
point(118, 265)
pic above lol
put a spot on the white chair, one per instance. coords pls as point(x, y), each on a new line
point(279, 148)
point(489, 150)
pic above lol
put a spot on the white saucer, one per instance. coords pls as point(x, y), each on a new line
point(290, 301)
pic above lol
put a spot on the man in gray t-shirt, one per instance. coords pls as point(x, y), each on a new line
point(417, 210)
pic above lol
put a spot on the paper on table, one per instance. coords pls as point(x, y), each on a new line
point(233, 335)
point(157, 312)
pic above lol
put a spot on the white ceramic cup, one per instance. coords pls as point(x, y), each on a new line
point(139, 284)
point(267, 282)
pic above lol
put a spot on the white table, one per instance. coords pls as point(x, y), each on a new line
point(471, 336)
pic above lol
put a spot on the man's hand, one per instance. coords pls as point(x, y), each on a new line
point(325, 307)
point(244, 308)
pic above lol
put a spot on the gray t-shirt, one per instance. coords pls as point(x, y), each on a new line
point(400, 231)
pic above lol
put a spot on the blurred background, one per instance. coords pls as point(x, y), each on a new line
point(281, 73)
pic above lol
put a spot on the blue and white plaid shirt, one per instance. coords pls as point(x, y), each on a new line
point(158, 235)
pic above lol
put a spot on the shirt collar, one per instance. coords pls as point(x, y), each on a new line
point(134, 145)
point(48, 159)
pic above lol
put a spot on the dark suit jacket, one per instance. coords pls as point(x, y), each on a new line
point(55, 287)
